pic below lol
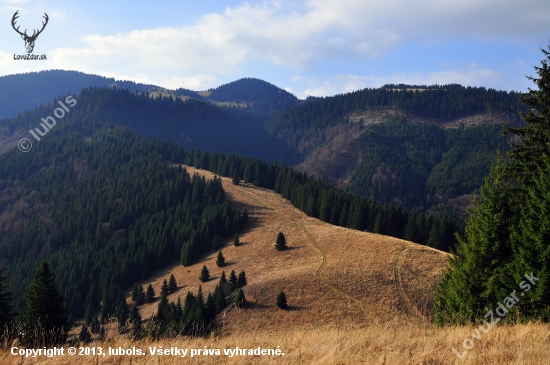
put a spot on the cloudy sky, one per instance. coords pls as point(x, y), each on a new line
point(309, 47)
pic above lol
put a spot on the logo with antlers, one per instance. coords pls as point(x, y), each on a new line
point(29, 40)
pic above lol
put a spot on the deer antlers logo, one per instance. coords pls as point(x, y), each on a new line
point(29, 40)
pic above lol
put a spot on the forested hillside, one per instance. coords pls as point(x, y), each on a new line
point(190, 122)
point(296, 125)
point(104, 212)
point(419, 165)
point(22, 92)
point(258, 95)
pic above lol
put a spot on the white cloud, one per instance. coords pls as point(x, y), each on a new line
point(282, 34)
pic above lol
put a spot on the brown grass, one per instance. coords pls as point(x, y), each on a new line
point(354, 297)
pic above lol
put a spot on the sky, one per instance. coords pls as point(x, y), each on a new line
point(311, 47)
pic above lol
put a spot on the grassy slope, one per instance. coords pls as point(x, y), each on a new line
point(346, 305)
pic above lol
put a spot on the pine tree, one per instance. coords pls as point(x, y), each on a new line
point(95, 325)
point(236, 241)
point(6, 297)
point(233, 280)
point(220, 260)
point(280, 244)
point(150, 294)
point(240, 299)
point(135, 292)
point(135, 322)
point(172, 284)
point(205, 274)
point(506, 234)
point(241, 280)
point(164, 288)
point(281, 300)
point(235, 178)
point(46, 312)
point(84, 335)
point(141, 298)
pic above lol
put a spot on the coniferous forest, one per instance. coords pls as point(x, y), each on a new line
point(503, 256)
point(100, 203)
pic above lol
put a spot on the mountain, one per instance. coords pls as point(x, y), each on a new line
point(191, 123)
point(22, 92)
point(255, 94)
point(415, 146)
point(362, 141)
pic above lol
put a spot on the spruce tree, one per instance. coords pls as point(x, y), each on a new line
point(6, 297)
point(45, 312)
point(233, 280)
point(172, 284)
point(471, 284)
point(280, 244)
point(135, 292)
point(135, 322)
point(150, 294)
point(220, 260)
point(84, 335)
point(205, 274)
point(241, 280)
point(95, 325)
point(506, 235)
point(240, 299)
point(236, 241)
point(281, 300)
point(141, 297)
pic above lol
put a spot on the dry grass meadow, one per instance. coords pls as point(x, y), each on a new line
point(354, 297)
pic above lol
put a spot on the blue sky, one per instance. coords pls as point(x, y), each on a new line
point(313, 47)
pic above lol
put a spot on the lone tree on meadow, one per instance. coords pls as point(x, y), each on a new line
point(205, 274)
point(236, 241)
point(281, 300)
point(280, 244)
point(220, 260)
point(172, 284)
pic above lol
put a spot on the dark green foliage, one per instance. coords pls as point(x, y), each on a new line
point(135, 291)
point(150, 294)
point(45, 313)
point(308, 120)
point(141, 297)
point(236, 241)
point(6, 297)
point(281, 300)
point(205, 274)
point(506, 236)
point(233, 280)
point(164, 290)
point(235, 179)
point(260, 95)
point(240, 299)
point(280, 243)
point(172, 284)
point(84, 335)
point(95, 325)
point(220, 260)
point(223, 279)
point(420, 165)
point(241, 280)
point(321, 200)
point(135, 323)
point(124, 212)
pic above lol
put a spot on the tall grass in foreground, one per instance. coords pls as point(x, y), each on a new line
point(388, 343)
